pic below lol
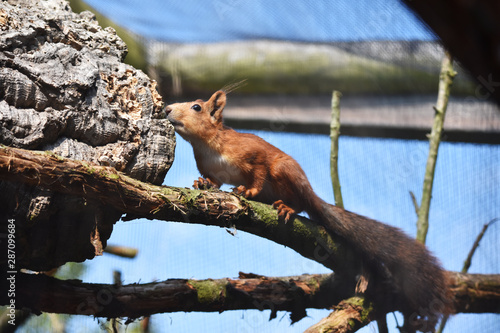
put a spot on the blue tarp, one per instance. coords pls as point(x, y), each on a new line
point(198, 21)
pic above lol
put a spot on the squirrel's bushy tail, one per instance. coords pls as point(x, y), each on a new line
point(419, 282)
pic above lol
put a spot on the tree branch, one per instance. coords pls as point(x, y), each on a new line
point(445, 81)
point(294, 294)
point(472, 293)
point(121, 251)
point(334, 155)
point(349, 316)
point(216, 208)
point(468, 260)
point(475, 293)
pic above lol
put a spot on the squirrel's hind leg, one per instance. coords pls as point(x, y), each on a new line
point(285, 212)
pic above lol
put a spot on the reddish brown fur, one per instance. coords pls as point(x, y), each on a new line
point(258, 169)
point(263, 172)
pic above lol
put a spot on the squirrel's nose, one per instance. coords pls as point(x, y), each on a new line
point(168, 109)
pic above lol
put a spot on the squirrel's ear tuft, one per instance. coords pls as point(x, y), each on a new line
point(216, 104)
point(233, 86)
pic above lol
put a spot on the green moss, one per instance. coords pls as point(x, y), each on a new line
point(367, 307)
point(304, 236)
point(209, 291)
point(90, 170)
point(301, 229)
point(265, 213)
point(54, 155)
point(315, 283)
point(113, 176)
point(191, 197)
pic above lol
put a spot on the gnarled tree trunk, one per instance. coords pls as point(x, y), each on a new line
point(64, 88)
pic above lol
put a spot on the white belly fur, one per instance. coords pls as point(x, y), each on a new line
point(221, 169)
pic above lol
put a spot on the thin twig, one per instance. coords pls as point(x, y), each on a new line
point(117, 281)
point(415, 202)
point(334, 156)
point(468, 260)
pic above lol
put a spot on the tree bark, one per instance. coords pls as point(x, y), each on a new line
point(473, 293)
point(41, 293)
point(64, 88)
point(349, 316)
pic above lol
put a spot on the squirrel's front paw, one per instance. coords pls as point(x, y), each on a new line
point(247, 193)
point(204, 184)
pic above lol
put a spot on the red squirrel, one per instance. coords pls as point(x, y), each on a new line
point(262, 172)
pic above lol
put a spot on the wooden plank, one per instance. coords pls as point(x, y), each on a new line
point(468, 119)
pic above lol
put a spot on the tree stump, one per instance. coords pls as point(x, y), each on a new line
point(65, 89)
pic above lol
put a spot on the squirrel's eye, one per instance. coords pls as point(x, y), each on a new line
point(196, 107)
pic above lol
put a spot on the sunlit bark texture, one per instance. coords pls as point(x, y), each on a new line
point(64, 88)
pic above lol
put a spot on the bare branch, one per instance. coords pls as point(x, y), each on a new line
point(121, 251)
point(445, 81)
point(468, 260)
point(334, 155)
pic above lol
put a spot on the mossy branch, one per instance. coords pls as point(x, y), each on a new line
point(472, 293)
point(39, 292)
point(334, 155)
point(349, 316)
point(445, 81)
point(139, 199)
